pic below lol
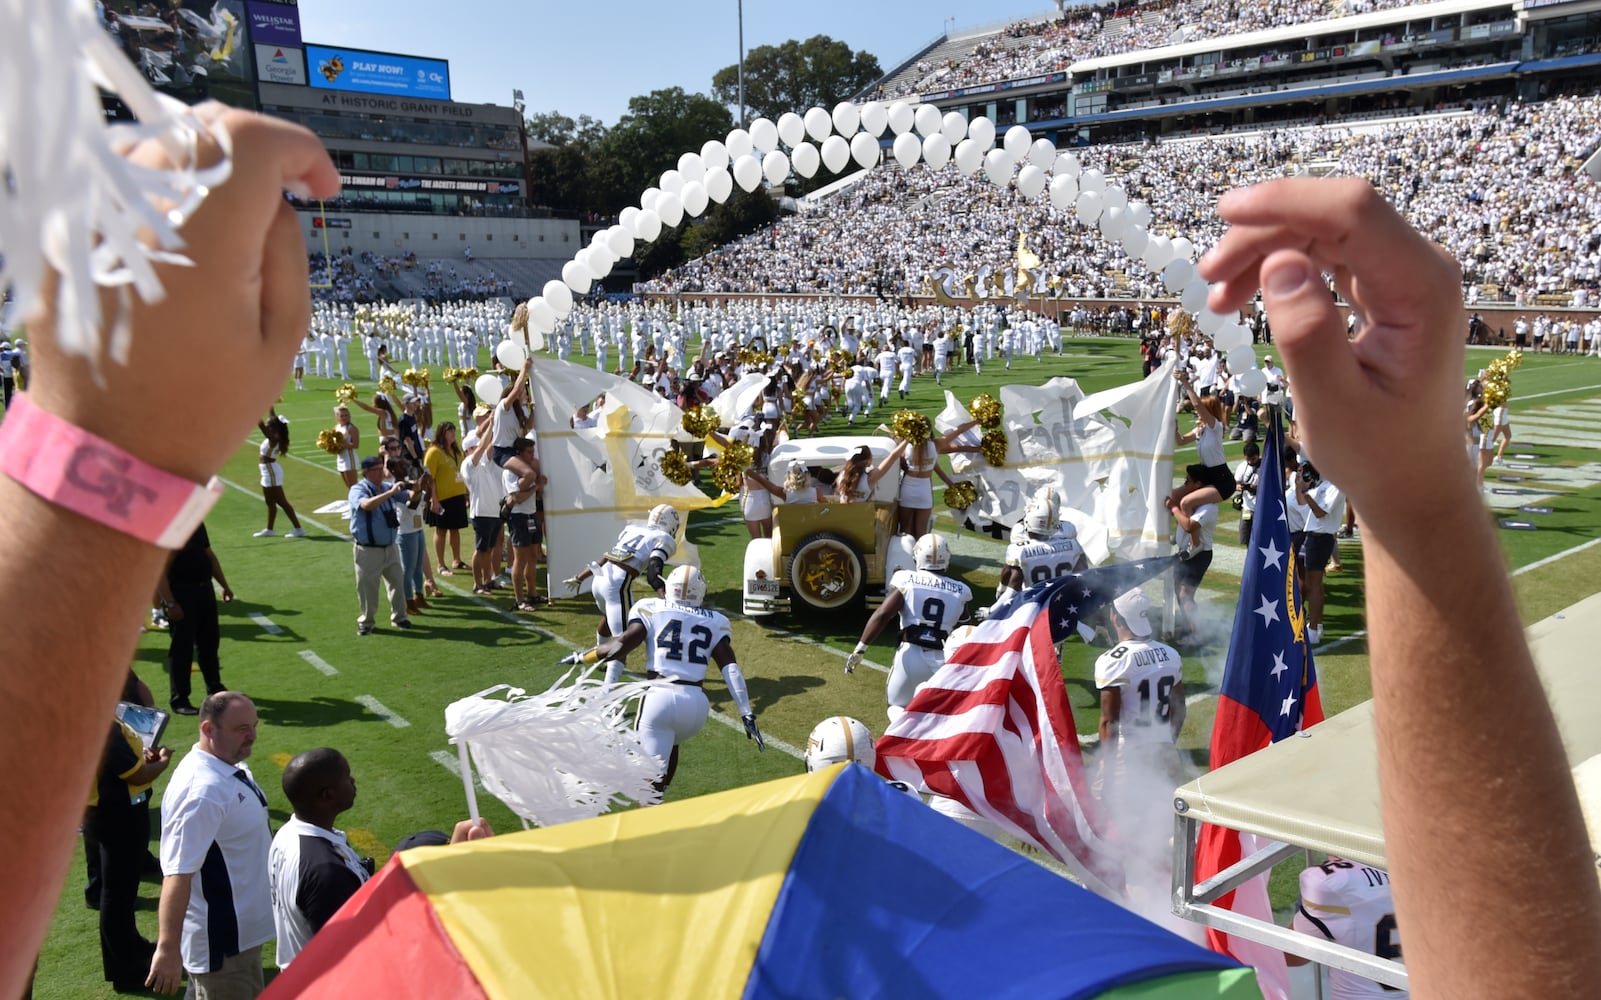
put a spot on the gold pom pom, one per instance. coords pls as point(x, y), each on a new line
point(994, 447)
point(699, 421)
point(345, 393)
point(986, 410)
point(676, 468)
point(960, 496)
point(840, 362)
point(386, 385)
point(416, 377)
point(331, 440)
point(729, 473)
point(909, 425)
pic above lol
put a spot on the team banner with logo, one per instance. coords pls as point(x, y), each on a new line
point(1109, 456)
point(601, 477)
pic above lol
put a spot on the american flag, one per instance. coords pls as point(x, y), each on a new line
point(993, 728)
point(1269, 693)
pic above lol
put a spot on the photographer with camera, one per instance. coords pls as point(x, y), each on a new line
point(1322, 501)
point(1245, 481)
point(375, 527)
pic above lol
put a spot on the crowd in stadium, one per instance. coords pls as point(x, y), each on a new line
point(1032, 47)
point(1495, 185)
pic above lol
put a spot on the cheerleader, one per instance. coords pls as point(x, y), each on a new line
point(275, 434)
point(347, 461)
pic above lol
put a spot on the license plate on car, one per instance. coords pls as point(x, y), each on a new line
point(768, 587)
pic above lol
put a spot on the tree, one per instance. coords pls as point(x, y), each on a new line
point(559, 130)
point(658, 128)
point(794, 76)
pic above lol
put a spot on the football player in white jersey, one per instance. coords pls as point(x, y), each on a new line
point(836, 739)
point(680, 639)
point(929, 605)
point(1047, 549)
point(640, 548)
point(1350, 904)
point(1141, 682)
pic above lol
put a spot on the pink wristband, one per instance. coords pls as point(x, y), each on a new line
point(87, 475)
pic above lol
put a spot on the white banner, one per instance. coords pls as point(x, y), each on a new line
point(1109, 457)
point(601, 477)
point(738, 399)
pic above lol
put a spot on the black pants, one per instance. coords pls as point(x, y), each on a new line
point(122, 836)
point(194, 639)
point(8, 386)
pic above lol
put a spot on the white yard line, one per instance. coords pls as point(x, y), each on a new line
point(772, 741)
point(1548, 560)
point(323, 666)
point(378, 708)
point(448, 761)
point(267, 624)
point(1555, 392)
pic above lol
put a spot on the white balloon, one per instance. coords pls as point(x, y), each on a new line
point(595, 260)
point(818, 124)
point(1042, 153)
point(791, 129)
point(1113, 221)
point(1158, 252)
point(691, 167)
point(621, 240)
point(1063, 190)
point(1206, 320)
point(927, 119)
point(1115, 196)
point(775, 167)
point(536, 341)
point(648, 226)
point(1183, 249)
point(874, 118)
point(600, 249)
point(953, 127)
point(836, 153)
point(694, 198)
point(647, 197)
point(1243, 359)
point(1251, 381)
point(719, 185)
point(998, 166)
point(969, 156)
point(559, 296)
point(804, 159)
point(764, 135)
point(747, 172)
point(1176, 275)
point(714, 155)
point(670, 208)
point(510, 354)
point(578, 277)
point(626, 217)
point(1140, 212)
point(1066, 165)
point(1088, 207)
point(488, 388)
point(1030, 181)
point(1018, 139)
point(738, 144)
point(672, 182)
point(908, 150)
point(1193, 297)
point(1092, 180)
point(847, 118)
point(936, 151)
point(901, 116)
point(864, 148)
point(982, 131)
point(1231, 337)
point(541, 316)
point(1133, 241)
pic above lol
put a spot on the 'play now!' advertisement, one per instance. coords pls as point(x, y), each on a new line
point(377, 72)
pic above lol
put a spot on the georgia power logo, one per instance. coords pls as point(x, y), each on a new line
point(332, 67)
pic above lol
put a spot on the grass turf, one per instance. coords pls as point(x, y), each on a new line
point(304, 587)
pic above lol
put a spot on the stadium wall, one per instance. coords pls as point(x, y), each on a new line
point(440, 235)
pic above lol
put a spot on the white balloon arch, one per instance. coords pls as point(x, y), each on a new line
point(922, 135)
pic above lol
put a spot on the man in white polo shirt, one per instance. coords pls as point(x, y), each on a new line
point(314, 869)
point(215, 911)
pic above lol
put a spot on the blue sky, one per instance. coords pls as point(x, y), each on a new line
point(591, 57)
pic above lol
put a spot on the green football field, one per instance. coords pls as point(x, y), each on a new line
point(289, 639)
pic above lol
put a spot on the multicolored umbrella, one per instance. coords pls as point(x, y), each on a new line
point(832, 884)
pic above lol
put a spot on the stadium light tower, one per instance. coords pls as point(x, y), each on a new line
point(741, 63)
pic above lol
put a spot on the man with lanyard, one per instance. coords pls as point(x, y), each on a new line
point(375, 527)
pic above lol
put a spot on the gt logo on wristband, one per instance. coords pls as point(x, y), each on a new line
point(72, 468)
